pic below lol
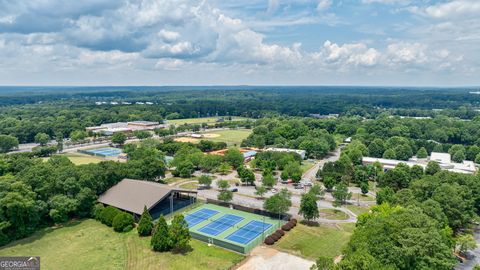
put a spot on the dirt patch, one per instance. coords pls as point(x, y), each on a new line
point(266, 258)
point(187, 140)
point(210, 135)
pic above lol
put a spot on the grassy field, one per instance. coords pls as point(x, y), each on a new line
point(80, 159)
point(362, 198)
point(208, 120)
point(333, 214)
point(230, 136)
point(313, 242)
point(358, 210)
point(190, 185)
point(89, 244)
point(307, 165)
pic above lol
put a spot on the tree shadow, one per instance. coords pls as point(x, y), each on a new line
point(310, 223)
point(182, 251)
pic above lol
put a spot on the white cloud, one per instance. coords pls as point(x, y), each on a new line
point(387, 2)
point(455, 8)
point(323, 5)
point(348, 55)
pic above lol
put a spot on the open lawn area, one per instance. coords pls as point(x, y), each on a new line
point(358, 210)
point(88, 244)
point(333, 214)
point(208, 120)
point(230, 136)
point(313, 242)
point(80, 159)
point(307, 165)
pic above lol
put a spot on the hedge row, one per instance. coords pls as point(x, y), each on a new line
point(120, 221)
point(274, 237)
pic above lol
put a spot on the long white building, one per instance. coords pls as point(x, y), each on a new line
point(443, 159)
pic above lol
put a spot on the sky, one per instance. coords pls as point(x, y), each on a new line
point(240, 42)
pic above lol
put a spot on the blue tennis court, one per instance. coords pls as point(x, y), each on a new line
point(199, 216)
point(248, 232)
point(106, 151)
point(219, 225)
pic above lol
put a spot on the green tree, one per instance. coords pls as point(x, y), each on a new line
point(145, 225)
point(341, 194)
point(308, 206)
point(223, 184)
point(364, 187)
point(246, 175)
point(142, 134)
point(459, 156)
point(422, 153)
point(225, 196)
point(42, 138)
point(161, 240)
point(260, 191)
point(477, 159)
point(323, 263)
point(279, 203)
point(465, 242)
point(7, 143)
point(119, 138)
point(205, 180)
point(78, 135)
point(123, 222)
point(389, 154)
point(376, 148)
point(234, 157)
point(179, 233)
point(269, 180)
point(385, 195)
point(432, 168)
point(224, 168)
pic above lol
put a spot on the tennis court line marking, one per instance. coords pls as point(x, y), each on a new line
point(215, 227)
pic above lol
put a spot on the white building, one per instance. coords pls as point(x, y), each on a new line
point(125, 127)
point(443, 159)
point(288, 150)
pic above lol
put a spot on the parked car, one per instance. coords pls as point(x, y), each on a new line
point(233, 189)
point(306, 182)
point(299, 186)
point(288, 181)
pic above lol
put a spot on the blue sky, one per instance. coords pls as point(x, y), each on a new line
point(216, 42)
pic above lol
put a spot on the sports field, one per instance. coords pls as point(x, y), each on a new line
point(88, 244)
point(228, 228)
point(208, 120)
point(231, 136)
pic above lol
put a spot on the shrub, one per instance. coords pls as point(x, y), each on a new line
point(161, 236)
point(282, 233)
point(123, 222)
point(97, 211)
point(269, 241)
point(286, 227)
point(293, 220)
point(108, 214)
point(278, 235)
point(145, 225)
point(274, 237)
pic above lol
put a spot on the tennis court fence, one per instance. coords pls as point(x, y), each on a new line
point(257, 211)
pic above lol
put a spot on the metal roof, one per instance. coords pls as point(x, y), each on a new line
point(133, 195)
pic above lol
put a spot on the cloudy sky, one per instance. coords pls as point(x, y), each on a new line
point(215, 42)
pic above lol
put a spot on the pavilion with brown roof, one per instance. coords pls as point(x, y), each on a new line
point(133, 195)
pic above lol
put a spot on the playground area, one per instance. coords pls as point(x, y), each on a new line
point(228, 228)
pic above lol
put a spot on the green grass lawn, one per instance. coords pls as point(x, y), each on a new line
point(80, 159)
point(230, 136)
point(89, 244)
point(358, 210)
point(362, 198)
point(333, 214)
point(307, 165)
point(208, 120)
point(313, 242)
point(191, 185)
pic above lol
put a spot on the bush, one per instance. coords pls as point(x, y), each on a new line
point(278, 235)
point(293, 220)
point(286, 227)
point(269, 241)
point(274, 237)
point(123, 222)
point(282, 233)
point(97, 211)
point(145, 225)
point(108, 214)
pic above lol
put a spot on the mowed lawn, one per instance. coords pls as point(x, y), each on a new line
point(208, 120)
point(230, 136)
point(80, 159)
point(88, 244)
point(315, 241)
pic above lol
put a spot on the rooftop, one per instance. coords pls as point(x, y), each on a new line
point(133, 195)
